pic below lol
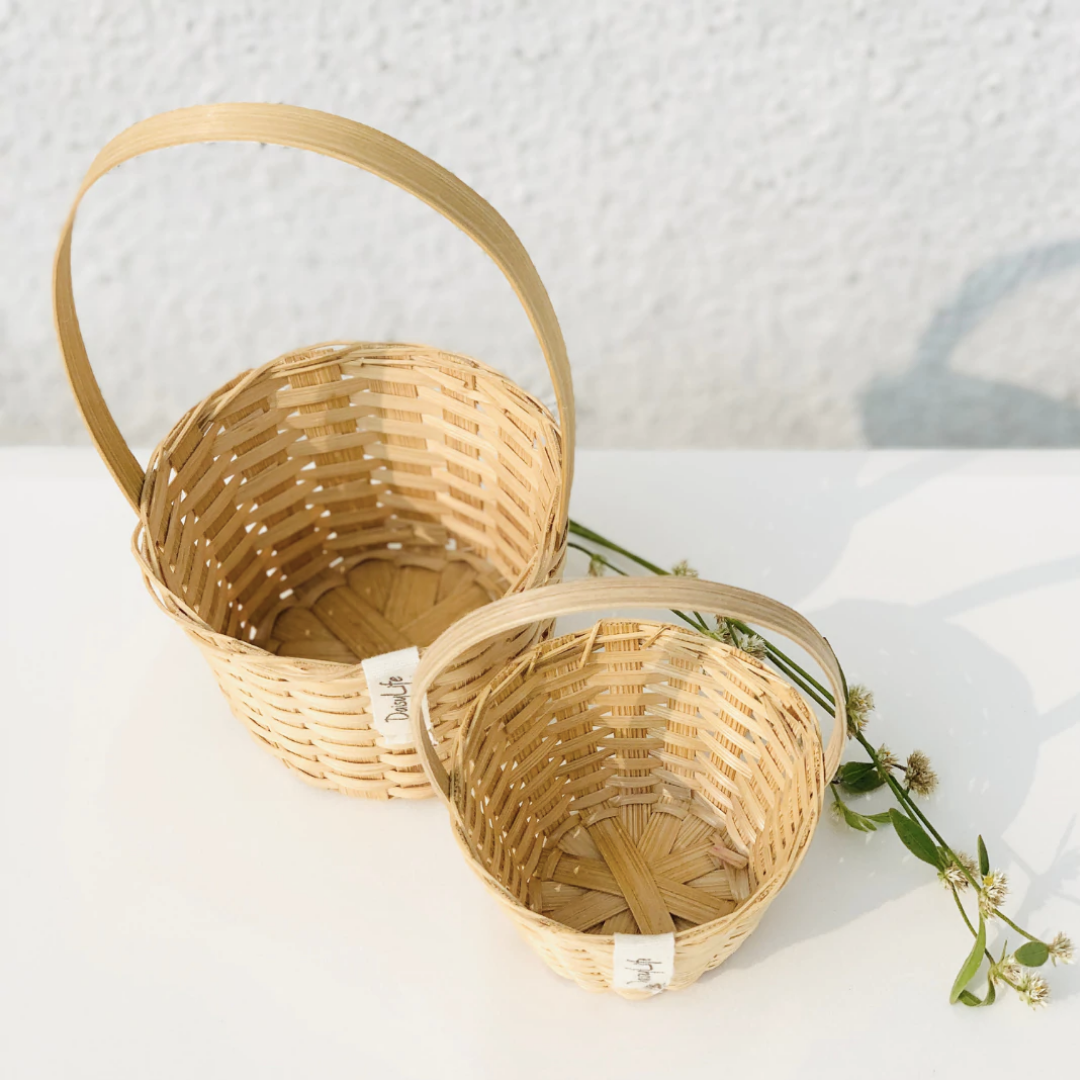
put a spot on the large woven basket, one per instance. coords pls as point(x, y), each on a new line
point(346, 501)
point(635, 794)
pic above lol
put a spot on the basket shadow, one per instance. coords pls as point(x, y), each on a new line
point(966, 705)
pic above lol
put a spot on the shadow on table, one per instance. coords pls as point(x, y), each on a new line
point(949, 687)
point(784, 546)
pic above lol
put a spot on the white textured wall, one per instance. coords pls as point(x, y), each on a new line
point(762, 223)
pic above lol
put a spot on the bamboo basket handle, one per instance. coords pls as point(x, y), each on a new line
point(335, 137)
point(551, 601)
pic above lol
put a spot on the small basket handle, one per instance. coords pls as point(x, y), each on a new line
point(551, 601)
point(335, 137)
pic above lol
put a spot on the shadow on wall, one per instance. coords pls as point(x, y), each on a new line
point(932, 405)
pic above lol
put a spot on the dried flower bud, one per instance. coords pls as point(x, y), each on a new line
point(753, 645)
point(995, 888)
point(1006, 971)
point(724, 631)
point(748, 643)
point(1033, 990)
point(860, 704)
point(683, 569)
point(1061, 950)
point(921, 778)
point(596, 565)
point(886, 758)
point(953, 874)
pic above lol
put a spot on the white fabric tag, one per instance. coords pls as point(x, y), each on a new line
point(644, 961)
point(390, 678)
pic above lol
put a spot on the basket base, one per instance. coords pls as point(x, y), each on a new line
point(582, 883)
point(390, 600)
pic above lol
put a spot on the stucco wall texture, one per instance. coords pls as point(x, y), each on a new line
point(762, 224)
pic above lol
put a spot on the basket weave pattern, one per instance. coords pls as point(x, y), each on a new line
point(338, 503)
point(632, 778)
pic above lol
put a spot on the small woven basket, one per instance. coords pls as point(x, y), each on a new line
point(345, 501)
point(635, 794)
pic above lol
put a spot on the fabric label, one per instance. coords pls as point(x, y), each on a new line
point(390, 678)
point(644, 961)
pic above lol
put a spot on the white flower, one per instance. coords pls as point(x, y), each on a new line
point(1061, 950)
point(1006, 971)
point(995, 888)
point(1033, 990)
point(886, 758)
point(748, 643)
point(683, 569)
point(954, 875)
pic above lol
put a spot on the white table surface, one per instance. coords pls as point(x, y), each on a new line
point(178, 905)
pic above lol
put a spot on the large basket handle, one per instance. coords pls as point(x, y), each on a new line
point(551, 601)
point(335, 137)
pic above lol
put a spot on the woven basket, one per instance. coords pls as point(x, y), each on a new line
point(634, 794)
point(344, 501)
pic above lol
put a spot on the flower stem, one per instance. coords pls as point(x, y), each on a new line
point(619, 570)
point(1019, 929)
point(970, 924)
point(776, 655)
point(578, 529)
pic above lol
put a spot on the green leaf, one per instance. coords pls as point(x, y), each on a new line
point(971, 964)
point(857, 821)
point(968, 998)
point(914, 838)
point(860, 776)
point(881, 819)
point(852, 770)
point(984, 859)
point(1032, 954)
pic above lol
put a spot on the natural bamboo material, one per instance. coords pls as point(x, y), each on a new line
point(635, 777)
point(345, 500)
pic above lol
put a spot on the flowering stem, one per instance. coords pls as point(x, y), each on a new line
point(619, 570)
point(960, 908)
point(824, 698)
point(779, 658)
point(578, 529)
point(596, 555)
point(908, 803)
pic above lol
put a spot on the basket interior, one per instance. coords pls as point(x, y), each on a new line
point(637, 778)
point(350, 500)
